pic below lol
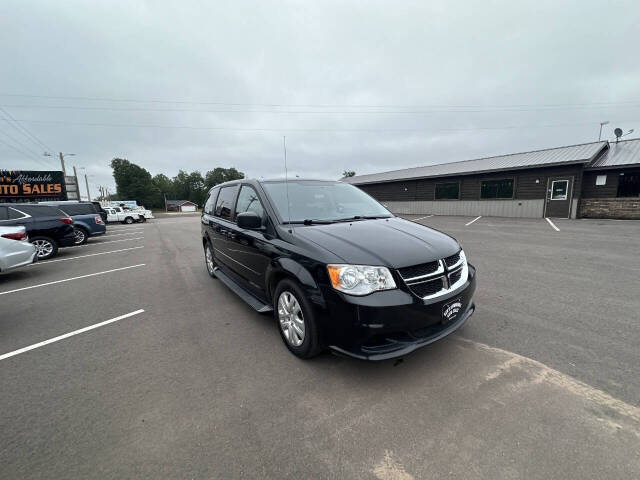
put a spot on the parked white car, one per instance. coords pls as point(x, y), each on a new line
point(117, 214)
point(15, 249)
point(143, 212)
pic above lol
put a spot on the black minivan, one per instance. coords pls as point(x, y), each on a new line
point(336, 268)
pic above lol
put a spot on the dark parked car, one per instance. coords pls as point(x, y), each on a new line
point(48, 227)
point(86, 221)
point(337, 269)
point(101, 211)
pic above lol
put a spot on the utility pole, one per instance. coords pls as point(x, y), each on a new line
point(75, 174)
point(86, 181)
point(64, 170)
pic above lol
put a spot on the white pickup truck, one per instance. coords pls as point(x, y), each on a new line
point(142, 212)
point(117, 214)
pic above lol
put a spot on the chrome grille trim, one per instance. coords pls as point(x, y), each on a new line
point(445, 273)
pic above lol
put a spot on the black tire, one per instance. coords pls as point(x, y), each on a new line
point(128, 220)
point(141, 219)
point(310, 346)
point(82, 236)
point(208, 250)
point(46, 247)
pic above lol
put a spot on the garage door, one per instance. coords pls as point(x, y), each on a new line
point(188, 208)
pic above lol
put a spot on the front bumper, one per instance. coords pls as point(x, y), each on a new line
point(393, 323)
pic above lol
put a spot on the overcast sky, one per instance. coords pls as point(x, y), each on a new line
point(367, 86)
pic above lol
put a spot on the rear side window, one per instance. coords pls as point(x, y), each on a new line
point(15, 214)
point(41, 211)
point(209, 206)
point(224, 205)
point(78, 209)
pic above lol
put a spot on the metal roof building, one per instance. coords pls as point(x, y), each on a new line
point(553, 182)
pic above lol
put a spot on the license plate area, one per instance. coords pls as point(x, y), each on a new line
point(451, 310)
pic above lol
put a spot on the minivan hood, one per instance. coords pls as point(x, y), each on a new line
point(391, 242)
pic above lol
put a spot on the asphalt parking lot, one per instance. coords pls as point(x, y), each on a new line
point(541, 383)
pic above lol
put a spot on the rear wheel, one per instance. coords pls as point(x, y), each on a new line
point(45, 247)
point(209, 260)
point(296, 320)
point(81, 236)
point(142, 219)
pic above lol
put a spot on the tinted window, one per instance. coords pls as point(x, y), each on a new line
point(78, 209)
point(41, 211)
point(447, 191)
point(3, 213)
point(211, 201)
point(315, 200)
point(502, 188)
point(15, 214)
point(629, 186)
point(224, 205)
point(248, 201)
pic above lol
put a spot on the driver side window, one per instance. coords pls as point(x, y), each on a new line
point(248, 201)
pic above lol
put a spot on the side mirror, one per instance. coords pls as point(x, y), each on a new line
point(249, 221)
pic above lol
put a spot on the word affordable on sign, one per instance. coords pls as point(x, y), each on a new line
point(31, 185)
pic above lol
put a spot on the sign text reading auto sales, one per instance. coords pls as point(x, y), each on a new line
point(31, 184)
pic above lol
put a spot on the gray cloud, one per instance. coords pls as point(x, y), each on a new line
point(546, 63)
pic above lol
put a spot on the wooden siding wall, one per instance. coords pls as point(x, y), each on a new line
point(526, 187)
point(610, 189)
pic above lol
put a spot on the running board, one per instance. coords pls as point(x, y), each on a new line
point(258, 305)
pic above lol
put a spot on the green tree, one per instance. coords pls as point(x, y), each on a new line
point(348, 173)
point(165, 189)
point(220, 175)
point(133, 182)
point(190, 186)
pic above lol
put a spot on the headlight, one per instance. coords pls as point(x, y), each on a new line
point(360, 279)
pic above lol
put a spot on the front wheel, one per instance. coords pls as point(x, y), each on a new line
point(45, 247)
point(128, 220)
point(296, 320)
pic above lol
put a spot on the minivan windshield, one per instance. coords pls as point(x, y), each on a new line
point(312, 200)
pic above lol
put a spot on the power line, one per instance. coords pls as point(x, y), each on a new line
point(20, 144)
point(285, 129)
point(313, 112)
point(22, 152)
point(248, 104)
point(25, 131)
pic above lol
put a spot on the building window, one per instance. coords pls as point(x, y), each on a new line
point(447, 191)
point(601, 180)
point(559, 189)
point(502, 188)
point(629, 185)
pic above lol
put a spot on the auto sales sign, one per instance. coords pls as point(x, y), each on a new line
point(31, 185)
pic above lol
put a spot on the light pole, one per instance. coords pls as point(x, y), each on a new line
point(62, 155)
point(601, 125)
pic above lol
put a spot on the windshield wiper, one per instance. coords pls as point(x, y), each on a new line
point(361, 217)
point(308, 221)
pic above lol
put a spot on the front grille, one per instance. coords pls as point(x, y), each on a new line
point(452, 260)
point(434, 278)
point(424, 289)
point(419, 270)
point(455, 276)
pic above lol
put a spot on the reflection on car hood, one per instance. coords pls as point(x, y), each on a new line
point(392, 242)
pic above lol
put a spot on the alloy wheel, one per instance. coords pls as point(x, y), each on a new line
point(79, 236)
point(209, 259)
point(44, 248)
point(291, 318)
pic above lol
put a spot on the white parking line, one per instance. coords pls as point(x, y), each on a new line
point(552, 224)
point(83, 256)
point(421, 218)
point(474, 220)
point(67, 335)
point(109, 241)
point(70, 279)
point(120, 234)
